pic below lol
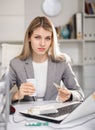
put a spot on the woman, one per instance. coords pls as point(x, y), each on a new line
point(41, 59)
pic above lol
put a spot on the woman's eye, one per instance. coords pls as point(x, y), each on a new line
point(48, 38)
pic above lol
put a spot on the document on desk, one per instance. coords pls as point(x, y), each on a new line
point(41, 109)
point(50, 112)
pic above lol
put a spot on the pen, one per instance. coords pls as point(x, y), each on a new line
point(56, 85)
point(34, 98)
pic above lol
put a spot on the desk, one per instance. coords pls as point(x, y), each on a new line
point(20, 121)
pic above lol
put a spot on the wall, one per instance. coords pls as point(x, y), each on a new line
point(33, 8)
point(11, 20)
point(15, 15)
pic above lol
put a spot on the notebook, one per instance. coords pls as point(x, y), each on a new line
point(65, 112)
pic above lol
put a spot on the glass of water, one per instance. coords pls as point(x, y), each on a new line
point(34, 82)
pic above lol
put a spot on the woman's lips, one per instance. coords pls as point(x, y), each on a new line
point(41, 49)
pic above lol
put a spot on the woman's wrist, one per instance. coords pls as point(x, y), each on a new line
point(70, 99)
point(17, 96)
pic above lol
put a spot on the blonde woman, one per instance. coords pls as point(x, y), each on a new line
point(41, 59)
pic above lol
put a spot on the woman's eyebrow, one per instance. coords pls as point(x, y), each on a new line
point(49, 36)
point(41, 35)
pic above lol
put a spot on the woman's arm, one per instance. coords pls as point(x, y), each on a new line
point(73, 88)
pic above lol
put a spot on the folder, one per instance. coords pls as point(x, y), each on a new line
point(78, 24)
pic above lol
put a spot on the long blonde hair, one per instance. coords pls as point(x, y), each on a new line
point(53, 51)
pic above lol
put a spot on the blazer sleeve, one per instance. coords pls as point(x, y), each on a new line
point(70, 81)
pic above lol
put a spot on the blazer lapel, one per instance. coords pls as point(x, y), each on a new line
point(50, 78)
point(29, 68)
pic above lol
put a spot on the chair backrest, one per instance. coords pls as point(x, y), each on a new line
point(9, 51)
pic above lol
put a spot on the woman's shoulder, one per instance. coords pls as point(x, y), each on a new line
point(16, 61)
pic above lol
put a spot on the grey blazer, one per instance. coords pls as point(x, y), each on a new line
point(20, 70)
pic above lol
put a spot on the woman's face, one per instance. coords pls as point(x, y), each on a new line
point(40, 41)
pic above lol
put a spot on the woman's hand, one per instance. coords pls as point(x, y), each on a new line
point(25, 89)
point(63, 94)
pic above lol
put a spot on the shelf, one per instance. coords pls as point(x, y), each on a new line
point(89, 15)
point(11, 42)
point(89, 63)
point(77, 64)
point(69, 40)
point(89, 40)
point(82, 64)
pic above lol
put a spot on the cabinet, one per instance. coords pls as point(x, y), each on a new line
point(82, 51)
point(89, 49)
point(74, 48)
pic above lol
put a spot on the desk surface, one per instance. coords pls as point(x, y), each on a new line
point(17, 121)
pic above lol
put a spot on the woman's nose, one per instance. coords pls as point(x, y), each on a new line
point(42, 42)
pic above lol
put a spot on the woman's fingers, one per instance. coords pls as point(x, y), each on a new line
point(64, 94)
point(27, 89)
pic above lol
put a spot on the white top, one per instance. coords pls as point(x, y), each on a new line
point(40, 74)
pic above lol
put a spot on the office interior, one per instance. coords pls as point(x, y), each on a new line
point(15, 15)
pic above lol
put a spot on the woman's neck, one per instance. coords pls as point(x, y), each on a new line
point(40, 59)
